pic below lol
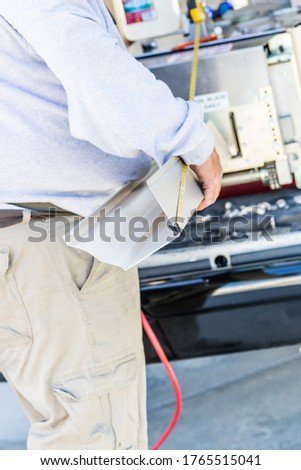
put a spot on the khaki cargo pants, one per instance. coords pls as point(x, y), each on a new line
point(71, 343)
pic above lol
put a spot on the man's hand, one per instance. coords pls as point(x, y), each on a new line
point(210, 176)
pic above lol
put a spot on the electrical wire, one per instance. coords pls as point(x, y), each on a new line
point(162, 356)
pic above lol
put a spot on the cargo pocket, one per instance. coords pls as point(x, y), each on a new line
point(15, 329)
point(102, 403)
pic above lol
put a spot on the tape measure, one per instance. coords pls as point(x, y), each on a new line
point(198, 16)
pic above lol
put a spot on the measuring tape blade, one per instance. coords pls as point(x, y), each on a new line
point(181, 197)
point(194, 75)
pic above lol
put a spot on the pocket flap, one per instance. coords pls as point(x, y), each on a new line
point(95, 381)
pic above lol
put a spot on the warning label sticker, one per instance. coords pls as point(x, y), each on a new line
point(137, 11)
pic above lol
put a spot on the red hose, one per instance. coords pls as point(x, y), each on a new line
point(191, 43)
point(162, 356)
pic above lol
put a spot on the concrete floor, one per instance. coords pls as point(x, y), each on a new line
point(239, 401)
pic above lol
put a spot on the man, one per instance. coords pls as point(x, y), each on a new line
point(79, 119)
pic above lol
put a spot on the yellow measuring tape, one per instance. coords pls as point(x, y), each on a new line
point(197, 15)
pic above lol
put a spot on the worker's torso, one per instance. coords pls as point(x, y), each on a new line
point(40, 160)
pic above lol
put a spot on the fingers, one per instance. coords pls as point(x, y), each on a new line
point(210, 196)
point(211, 192)
point(210, 176)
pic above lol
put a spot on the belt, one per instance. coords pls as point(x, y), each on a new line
point(23, 216)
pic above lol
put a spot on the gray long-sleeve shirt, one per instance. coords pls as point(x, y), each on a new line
point(80, 117)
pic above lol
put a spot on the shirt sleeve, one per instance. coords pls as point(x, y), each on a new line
point(114, 102)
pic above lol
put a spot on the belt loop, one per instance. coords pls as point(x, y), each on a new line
point(26, 216)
